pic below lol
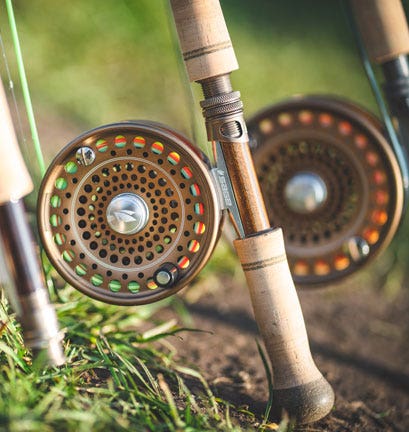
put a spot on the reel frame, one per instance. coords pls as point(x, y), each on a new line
point(164, 230)
point(341, 143)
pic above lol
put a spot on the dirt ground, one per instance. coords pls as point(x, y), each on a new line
point(359, 341)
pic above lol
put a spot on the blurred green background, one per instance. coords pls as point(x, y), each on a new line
point(94, 62)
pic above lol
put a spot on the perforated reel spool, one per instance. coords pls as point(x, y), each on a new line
point(331, 180)
point(128, 213)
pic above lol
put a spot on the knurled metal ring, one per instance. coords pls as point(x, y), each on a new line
point(220, 99)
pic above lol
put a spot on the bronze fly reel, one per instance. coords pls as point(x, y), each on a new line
point(331, 180)
point(128, 212)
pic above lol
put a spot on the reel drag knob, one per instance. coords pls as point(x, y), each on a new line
point(128, 212)
point(332, 182)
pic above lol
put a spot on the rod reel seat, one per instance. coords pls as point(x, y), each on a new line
point(332, 182)
point(128, 212)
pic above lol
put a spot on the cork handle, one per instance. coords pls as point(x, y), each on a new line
point(383, 26)
point(299, 387)
point(15, 182)
point(204, 38)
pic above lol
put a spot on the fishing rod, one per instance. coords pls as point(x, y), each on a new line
point(26, 290)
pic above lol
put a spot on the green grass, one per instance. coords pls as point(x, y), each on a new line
point(117, 377)
point(121, 371)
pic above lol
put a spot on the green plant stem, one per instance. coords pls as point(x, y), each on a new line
point(24, 86)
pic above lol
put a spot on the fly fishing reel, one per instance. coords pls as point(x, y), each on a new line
point(331, 180)
point(128, 212)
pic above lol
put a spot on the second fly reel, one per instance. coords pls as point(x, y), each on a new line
point(128, 213)
point(331, 180)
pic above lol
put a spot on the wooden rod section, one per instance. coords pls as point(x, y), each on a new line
point(204, 38)
point(246, 188)
point(15, 181)
point(383, 27)
point(299, 387)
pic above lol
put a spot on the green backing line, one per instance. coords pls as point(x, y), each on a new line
point(24, 86)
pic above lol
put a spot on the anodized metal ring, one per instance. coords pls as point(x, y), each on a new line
point(332, 182)
point(128, 213)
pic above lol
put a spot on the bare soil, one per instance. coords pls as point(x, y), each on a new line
point(359, 340)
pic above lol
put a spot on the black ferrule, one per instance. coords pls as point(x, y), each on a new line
point(396, 86)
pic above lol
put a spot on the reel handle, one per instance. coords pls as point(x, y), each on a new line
point(384, 28)
point(209, 57)
point(204, 39)
point(15, 180)
point(299, 387)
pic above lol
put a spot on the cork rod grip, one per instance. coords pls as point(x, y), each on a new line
point(383, 26)
point(299, 387)
point(204, 38)
point(15, 181)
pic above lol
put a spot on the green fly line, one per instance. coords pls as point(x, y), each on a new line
point(24, 87)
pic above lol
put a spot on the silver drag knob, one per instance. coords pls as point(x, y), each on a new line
point(305, 192)
point(357, 248)
point(127, 213)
